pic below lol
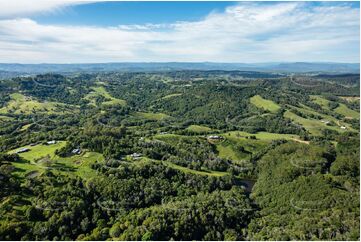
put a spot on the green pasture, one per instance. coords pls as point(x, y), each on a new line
point(20, 104)
point(198, 128)
point(74, 165)
point(100, 91)
point(265, 104)
point(151, 116)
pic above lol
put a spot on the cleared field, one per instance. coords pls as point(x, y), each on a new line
point(100, 91)
point(308, 110)
point(21, 104)
point(25, 127)
point(204, 172)
point(341, 109)
point(260, 135)
point(198, 128)
point(260, 102)
point(152, 116)
point(174, 138)
point(237, 146)
point(74, 165)
point(228, 151)
point(39, 151)
point(320, 101)
point(234, 147)
point(351, 99)
point(36, 152)
point(314, 126)
point(172, 95)
point(25, 167)
point(81, 163)
point(345, 111)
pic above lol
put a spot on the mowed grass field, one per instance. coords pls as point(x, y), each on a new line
point(234, 140)
point(174, 138)
point(39, 151)
point(260, 135)
point(172, 95)
point(20, 104)
point(347, 112)
point(350, 99)
point(265, 104)
point(74, 165)
point(228, 151)
point(203, 172)
point(100, 91)
point(198, 128)
point(152, 116)
point(319, 124)
point(341, 109)
point(82, 163)
point(320, 101)
point(314, 126)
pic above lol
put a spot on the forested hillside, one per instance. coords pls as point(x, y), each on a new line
point(179, 155)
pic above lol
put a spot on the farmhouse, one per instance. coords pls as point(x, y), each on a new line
point(51, 142)
point(215, 137)
point(136, 156)
point(76, 151)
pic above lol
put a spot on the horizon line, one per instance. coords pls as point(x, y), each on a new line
point(177, 62)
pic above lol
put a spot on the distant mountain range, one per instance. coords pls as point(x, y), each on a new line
point(8, 69)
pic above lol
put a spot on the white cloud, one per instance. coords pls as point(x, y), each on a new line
point(17, 8)
point(247, 32)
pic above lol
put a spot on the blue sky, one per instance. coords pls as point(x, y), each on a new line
point(116, 13)
point(74, 31)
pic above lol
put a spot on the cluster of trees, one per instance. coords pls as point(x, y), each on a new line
point(149, 202)
point(302, 191)
point(308, 192)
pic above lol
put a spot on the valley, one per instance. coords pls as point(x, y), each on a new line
point(179, 155)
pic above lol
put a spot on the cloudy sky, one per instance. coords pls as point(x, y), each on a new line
point(69, 31)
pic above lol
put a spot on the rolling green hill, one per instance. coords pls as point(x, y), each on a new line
point(179, 155)
point(265, 104)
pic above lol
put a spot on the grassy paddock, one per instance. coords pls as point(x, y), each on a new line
point(350, 99)
point(268, 105)
point(101, 91)
point(152, 116)
point(171, 95)
point(260, 135)
point(203, 172)
point(198, 128)
point(345, 111)
point(320, 101)
point(20, 104)
point(74, 165)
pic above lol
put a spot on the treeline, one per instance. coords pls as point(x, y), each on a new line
point(149, 203)
point(308, 193)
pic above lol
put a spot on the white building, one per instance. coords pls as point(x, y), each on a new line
point(215, 137)
point(76, 151)
point(22, 150)
point(136, 156)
